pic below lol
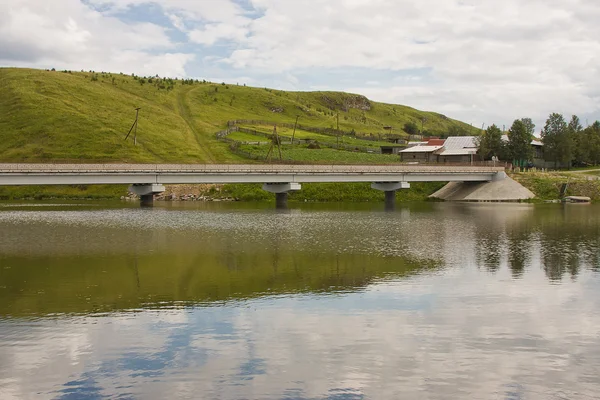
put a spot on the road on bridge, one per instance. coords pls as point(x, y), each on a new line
point(68, 174)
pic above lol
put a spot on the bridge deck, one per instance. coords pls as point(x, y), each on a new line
point(56, 174)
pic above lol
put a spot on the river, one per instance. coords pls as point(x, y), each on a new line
point(240, 301)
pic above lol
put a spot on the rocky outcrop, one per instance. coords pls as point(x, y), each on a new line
point(347, 102)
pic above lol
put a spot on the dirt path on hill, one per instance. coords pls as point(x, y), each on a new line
point(186, 114)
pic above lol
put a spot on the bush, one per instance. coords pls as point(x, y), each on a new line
point(411, 128)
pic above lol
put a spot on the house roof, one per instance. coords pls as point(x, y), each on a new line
point(535, 142)
point(459, 146)
point(460, 142)
point(458, 152)
point(435, 142)
point(421, 149)
point(412, 144)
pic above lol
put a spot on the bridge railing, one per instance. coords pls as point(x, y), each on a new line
point(241, 168)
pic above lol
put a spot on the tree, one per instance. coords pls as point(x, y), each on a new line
point(574, 124)
point(456, 130)
point(557, 141)
point(529, 125)
point(591, 136)
point(579, 140)
point(490, 143)
point(519, 143)
point(411, 128)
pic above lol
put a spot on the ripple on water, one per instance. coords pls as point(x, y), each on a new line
point(447, 301)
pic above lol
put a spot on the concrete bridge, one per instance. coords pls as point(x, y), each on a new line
point(146, 180)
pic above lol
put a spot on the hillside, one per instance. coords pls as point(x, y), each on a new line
point(84, 116)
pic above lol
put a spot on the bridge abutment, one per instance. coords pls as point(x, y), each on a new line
point(146, 192)
point(281, 192)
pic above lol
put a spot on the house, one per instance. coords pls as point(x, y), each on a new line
point(459, 149)
point(392, 148)
point(420, 153)
point(538, 153)
point(455, 149)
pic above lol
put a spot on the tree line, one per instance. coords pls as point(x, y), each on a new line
point(565, 143)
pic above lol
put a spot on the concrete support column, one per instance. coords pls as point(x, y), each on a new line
point(281, 200)
point(390, 191)
point(281, 192)
point(146, 191)
point(147, 200)
point(390, 199)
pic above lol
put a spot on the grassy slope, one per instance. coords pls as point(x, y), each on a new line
point(547, 185)
point(56, 116)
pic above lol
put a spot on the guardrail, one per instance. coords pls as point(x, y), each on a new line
point(17, 168)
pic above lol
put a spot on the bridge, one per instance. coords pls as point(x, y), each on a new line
point(146, 180)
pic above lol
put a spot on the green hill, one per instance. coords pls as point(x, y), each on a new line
point(84, 116)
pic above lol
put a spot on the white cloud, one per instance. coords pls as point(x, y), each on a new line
point(486, 61)
point(203, 10)
point(211, 33)
point(68, 34)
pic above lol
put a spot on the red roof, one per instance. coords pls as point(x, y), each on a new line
point(435, 142)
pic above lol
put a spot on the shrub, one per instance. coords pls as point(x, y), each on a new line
point(411, 128)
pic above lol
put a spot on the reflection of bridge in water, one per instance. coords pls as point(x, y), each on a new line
point(148, 179)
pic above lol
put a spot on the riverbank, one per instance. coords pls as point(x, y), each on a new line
point(311, 192)
point(547, 185)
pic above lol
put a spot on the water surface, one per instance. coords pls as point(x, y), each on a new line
point(238, 301)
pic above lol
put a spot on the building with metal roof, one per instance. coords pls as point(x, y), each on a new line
point(421, 153)
point(459, 149)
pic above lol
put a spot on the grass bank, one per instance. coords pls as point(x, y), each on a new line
point(333, 192)
point(109, 192)
point(313, 192)
point(547, 185)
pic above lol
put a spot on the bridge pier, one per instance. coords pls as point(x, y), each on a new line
point(147, 200)
point(281, 192)
point(390, 199)
point(146, 191)
point(389, 188)
point(281, 200)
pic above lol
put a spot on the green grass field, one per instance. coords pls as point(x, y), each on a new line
point(286, 134)
point(84, 117)
point(301, 153)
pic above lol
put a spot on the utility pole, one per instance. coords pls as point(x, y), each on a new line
point(134, 127)
point(295, 124)
point(278, 142)
point(137, 111)
point(274, 141)
point(338, 129)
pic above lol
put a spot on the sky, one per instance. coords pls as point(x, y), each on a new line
point(482, 62)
